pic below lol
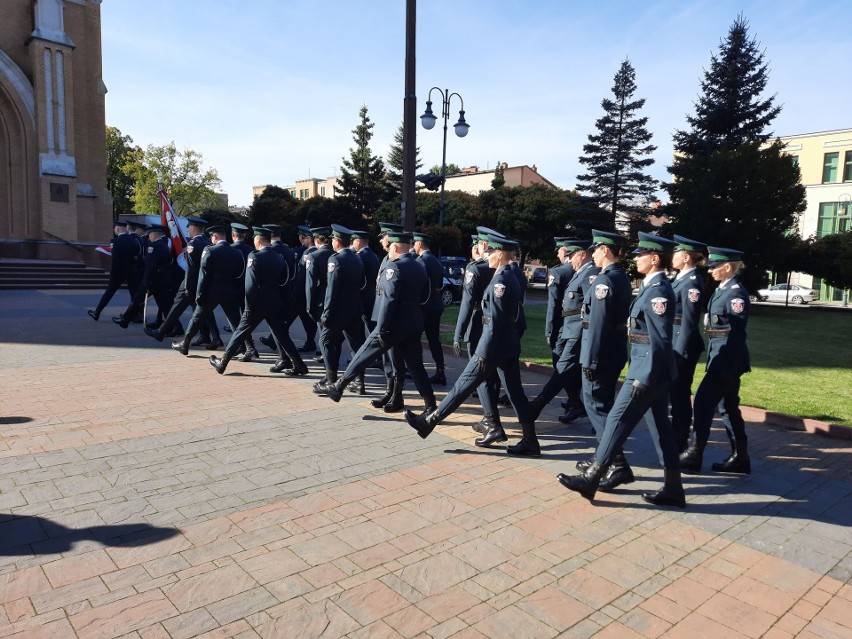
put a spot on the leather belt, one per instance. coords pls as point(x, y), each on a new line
point(568, 312)
point(718, 332)
point(585, 323)
point(616, 328)
point(638, 338)
point(677, 321)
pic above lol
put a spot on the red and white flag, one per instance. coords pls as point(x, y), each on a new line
point(176, 236)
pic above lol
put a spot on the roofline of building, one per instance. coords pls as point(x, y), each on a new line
point(809, 135)
point(508, 168)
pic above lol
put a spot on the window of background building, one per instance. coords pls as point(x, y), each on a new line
point(847, 167)
point(293, 193)
point(829, 167)
point(794, 159)
point(829, 221)
point(322, 191)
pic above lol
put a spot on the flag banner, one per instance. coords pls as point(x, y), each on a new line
point(106, 250)
point(176, 237)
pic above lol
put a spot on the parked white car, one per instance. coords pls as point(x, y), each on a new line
point(793, 293)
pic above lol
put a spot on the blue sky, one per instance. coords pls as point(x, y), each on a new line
point(269, 90)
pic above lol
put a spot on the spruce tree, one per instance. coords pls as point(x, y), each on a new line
point(396, 162)
point(362, 184)
point(616, 155)
point(731, 186)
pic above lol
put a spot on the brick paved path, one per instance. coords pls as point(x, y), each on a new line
point(145, 496)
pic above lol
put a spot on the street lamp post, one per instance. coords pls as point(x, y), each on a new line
point(428, 119)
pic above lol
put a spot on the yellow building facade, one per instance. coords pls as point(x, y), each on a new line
point(825, 161)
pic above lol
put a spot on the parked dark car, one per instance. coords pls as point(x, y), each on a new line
point(538, 275)
point(453, 279)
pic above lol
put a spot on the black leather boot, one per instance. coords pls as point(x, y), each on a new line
point(692, 458)
point(322, 387)
point(528, 446)
point(483, 425)
point(181, 347)
point(250, 354)
point(424, 424)
point(299, 367)
point(572, 414)
point(220, 364)
point(281, 365)
point(671, 494)
point(122, 321)
point(357, 386)
point(308, 347)
point(584, 464)
point(439, 378)
point(379, 402)
point(269, 342)
point(156, 333)
point(493, 434)
point(95, 315)
point(738, 462)
point(619, 473)
point(215, 344)
point(585, 484)
point(200, 341)
point(396, 403)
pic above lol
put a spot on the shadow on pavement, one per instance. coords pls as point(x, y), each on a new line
point(15, 419)
point(29, 535)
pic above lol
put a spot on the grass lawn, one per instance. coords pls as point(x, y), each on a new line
point(801, 359)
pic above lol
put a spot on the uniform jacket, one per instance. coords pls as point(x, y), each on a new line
point(289, 256)
point(575, 296)
point(652, 317)
point(477, 276)
point(605, 308)
point(436, 281)
point(220, 274)
point(301, 276)
point(523, 282)
point(245, 250)
point(727, 312)
point(193, 254)
point(501, 303)
point(343, 292)
point(316, 279)
point(158, 263)
point(265, 276)
point(370, 262)
point(689, 301)
point(557, 281)
point(125, 255)
point(402, 288)
point(377, 302)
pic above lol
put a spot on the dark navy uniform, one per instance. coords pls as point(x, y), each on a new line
point(567, 370)
point(603, 348)
point(370, 262)
point(186, 293)
point(688, 345)
point(126, 254)
point(342, 310)
point(219, 284)
point(156, 279)
point(300, 307)
point(316, 280)
point(401, 288)
point(558, 279)
point(727, 360)
point(434, 307)
point(523, 283)
point(265, 275)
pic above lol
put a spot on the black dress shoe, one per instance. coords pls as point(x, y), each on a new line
point(157, 334)
point(121, 321)
point(423, 425)
point(177, 331)
point(249, 355)
point(199, 342)
point(308, 347)
point(218, 364)
point(296, 371)
point(572, 414)
point(94, 315)
point(439, 378)
point(318, 357)
point(357, 387)
point(495, 434)
point(181, 347)
point(734, 464)
point(333, 390)
point(216, 344)
point(280, 366)
point(584, 464)
point(585, 484)
point(616, 476)
point(525, 448)
point(269, 342)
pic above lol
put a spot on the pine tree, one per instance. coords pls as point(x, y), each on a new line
point(396, 163)
point(732, 187)
point(362, 184)
point(730, 110)
point(616, 155)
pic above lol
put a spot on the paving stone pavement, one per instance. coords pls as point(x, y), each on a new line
point(142, 495)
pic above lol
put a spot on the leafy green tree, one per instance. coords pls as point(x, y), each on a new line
point(396, 163)
point(499, 180)
point(191, 186)
point(322, 211)
point(362, 184)
point(274, 206)
point(122, 156)
point(617, 155)
point(452, 169)
point(830, 258)
point(731, 187)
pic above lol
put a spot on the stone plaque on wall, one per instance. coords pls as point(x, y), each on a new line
point(58, 192)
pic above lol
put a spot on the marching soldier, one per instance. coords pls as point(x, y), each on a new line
point(403, 286)
point(434, 307)
point(125, 252)
point(342, 312)
point(727, 360)
point(300, 304)
point(265, 275)
point(567, 372)
point(289, 255)
point(220, 275)
point(156, 279)
point(370, 262)
point(498, 350)
point(316, 280)
point(646, 387)
point(239, 236)
point(688, 344)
